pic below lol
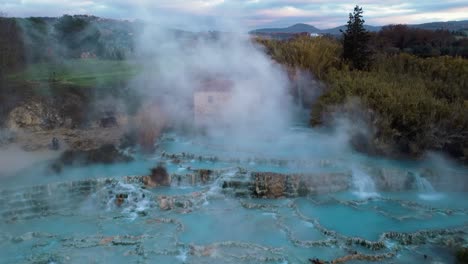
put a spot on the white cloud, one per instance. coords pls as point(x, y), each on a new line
point(285, 11)
point(253, 13)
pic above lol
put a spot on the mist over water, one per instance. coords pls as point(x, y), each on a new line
point(260, 129)
point(178, 64)
point(363, 184)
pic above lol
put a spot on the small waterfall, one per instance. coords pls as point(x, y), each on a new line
point(427, 191)
point(182, 256)
point(423, 184)
point(363, 184)
point(135, 200)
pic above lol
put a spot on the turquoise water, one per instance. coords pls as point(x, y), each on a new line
point(216, 227)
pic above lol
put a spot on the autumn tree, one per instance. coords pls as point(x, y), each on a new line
point(355, 41)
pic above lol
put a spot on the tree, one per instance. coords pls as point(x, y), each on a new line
point(355, 41)
point(11, 45)
point(77, 34)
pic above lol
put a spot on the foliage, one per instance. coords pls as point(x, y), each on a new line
point(11, 46)
point(356, 41)
point(39, 39)
point(420, 42)
point(416, 111)
point(37, 46)
point(80, 72)
point(419, 104)
point(445, 77)
point(106, 39)
point(77, 35)
point(318, 55)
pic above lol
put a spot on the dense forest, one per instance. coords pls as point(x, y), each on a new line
point(394, 39)
point(411, 103)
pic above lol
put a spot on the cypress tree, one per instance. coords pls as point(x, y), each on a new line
point(355, 41)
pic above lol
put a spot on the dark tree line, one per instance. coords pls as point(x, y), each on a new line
point(11, 47)
point(40, 39)
point(359, 45)
point(394, 39)
point(77, 35)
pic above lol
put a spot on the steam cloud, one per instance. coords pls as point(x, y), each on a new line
point(178, 65)
point(260, 115)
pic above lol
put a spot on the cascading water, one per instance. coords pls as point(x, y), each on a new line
point(427, 191)
point(364, 186)
point(423, 184)
point(215, 219)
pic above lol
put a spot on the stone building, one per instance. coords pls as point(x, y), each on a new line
point(209, 100)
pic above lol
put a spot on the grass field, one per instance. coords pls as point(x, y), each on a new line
point(79, 72)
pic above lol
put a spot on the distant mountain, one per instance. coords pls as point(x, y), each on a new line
point(300, 28)
point(336, 30)
point(449, 25)
point(297, 28)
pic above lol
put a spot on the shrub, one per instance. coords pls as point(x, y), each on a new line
point(419, 103)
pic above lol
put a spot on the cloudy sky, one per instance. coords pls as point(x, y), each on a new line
point(250, 13)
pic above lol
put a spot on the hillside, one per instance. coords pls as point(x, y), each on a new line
point(299, 28)
point(449, 25)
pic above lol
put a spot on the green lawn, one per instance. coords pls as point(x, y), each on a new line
point(80, 72)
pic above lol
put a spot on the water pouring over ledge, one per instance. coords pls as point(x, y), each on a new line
point(427, 191)
point(204, 222)
point(363, 184)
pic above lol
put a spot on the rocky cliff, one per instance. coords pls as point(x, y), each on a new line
point(74, 121)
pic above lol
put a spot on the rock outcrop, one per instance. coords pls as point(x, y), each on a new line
point(275, 185)
point(269, 185)
point(182, 203)
point(35, 115)
point(106, 154)
point(85, 129)
point(158, 177)
point(30, 110)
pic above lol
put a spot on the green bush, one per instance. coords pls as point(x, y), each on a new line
point(317, 55)
point(420, 104)
point(410, 114)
